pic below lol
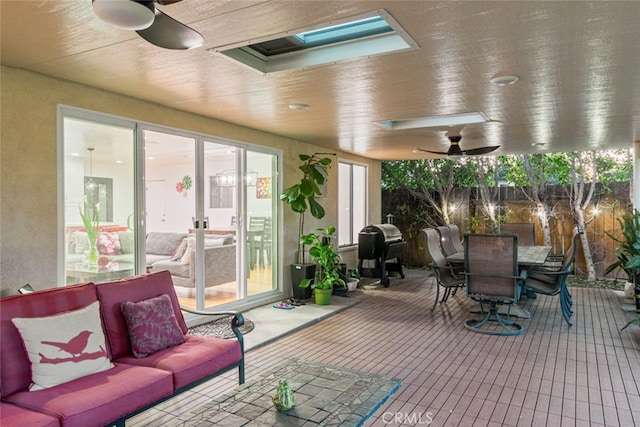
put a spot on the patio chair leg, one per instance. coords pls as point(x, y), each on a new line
point(435, 302)
point(447, 292)
point(509, 327)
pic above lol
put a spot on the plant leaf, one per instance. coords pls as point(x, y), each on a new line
point(316, 209)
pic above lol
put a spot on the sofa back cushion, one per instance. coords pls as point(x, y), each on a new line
point(126, 242)
point(163, 243)
point(133, 289)
point(15, 374)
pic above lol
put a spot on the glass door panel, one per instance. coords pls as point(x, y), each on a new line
point(261, 203)
point(220, 208)
point(98, 161)
point(170, 210)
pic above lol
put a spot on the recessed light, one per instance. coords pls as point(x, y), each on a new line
point(298, 106)
point(119, 162)
point(436, 121)
point(504, 80)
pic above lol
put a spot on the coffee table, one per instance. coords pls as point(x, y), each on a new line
point(325, 395)
point(79, 272)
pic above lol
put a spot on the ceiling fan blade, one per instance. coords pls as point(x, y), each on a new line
point(432, 152)
point(168, 33)
point(166, 2)
point(480, 150)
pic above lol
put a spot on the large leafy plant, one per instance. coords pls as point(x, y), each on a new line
point(323, 252)
point(302, 196)
point(628, 249)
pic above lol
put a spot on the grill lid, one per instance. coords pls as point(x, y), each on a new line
point(390, 232)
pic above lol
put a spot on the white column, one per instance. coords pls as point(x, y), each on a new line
point(635, 183)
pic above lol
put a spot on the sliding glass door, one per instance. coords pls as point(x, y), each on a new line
point(140, 198)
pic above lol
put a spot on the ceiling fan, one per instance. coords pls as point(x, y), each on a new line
point(455, 150)
point(151, 24)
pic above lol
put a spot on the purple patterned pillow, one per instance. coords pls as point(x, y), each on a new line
point(152, 325)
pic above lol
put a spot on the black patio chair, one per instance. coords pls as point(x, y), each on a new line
point(445, 240)
point(456, 239)
point(525, 231)
point(447, 277)
point(491, 270)
point(552, 282)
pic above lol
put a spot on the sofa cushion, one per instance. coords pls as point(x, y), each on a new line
point(163, 243)
point(126, 242)
point(108, 244)
point(100, 399)
point(197, 358)
point(133, 289)
point(64, 346)
point(180, 250)
point(152, 325)
point(176, 268)
point(12, 415)
point(15, 372)
point(79, 242)
point(152, 259)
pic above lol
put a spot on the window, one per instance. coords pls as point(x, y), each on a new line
point(352, 202)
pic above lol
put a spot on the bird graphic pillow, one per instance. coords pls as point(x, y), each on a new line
point(64, 347)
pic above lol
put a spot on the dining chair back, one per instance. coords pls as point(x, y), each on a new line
point(456, 240)
point(445, 240)
point(255, 232)
point(264, 251)
point(447, 277)
point(525, 231)
point(491, 270)
point(554, 282)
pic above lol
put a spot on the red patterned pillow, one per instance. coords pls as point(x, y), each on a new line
point(152, 325)
point(108, 244)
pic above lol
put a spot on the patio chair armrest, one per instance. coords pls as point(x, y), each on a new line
point(455, 273)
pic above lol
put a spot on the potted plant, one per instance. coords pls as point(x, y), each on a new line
point(302, 197)
point(328, 260)
point(628, 251)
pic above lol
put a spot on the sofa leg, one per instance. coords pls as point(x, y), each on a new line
point(241, 372)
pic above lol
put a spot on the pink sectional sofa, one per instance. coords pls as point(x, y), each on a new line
point(132, 384)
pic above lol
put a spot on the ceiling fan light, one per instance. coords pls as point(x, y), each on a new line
point(125, 14)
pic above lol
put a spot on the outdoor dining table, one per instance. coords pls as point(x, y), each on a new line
point(528, 256)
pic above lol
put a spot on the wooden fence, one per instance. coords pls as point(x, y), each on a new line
point(608, 205)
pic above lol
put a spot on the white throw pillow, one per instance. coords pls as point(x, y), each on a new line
point(64, 347)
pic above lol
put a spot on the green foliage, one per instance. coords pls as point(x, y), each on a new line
point(628, 249)
point(90, 219)
point(302, 196)
point(417, 174)
point(328, 260)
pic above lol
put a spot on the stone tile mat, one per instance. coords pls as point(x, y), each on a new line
point(325, 395)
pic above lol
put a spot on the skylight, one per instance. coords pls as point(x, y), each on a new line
point(364, 35)
point(435, 121)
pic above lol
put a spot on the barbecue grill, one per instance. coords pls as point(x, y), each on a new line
point(380, 243)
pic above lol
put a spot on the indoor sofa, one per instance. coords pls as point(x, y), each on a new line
point(119, 246)
point(130, 375)
point(219, 264)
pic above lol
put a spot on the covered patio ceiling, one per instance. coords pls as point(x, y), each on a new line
point(577, 64)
